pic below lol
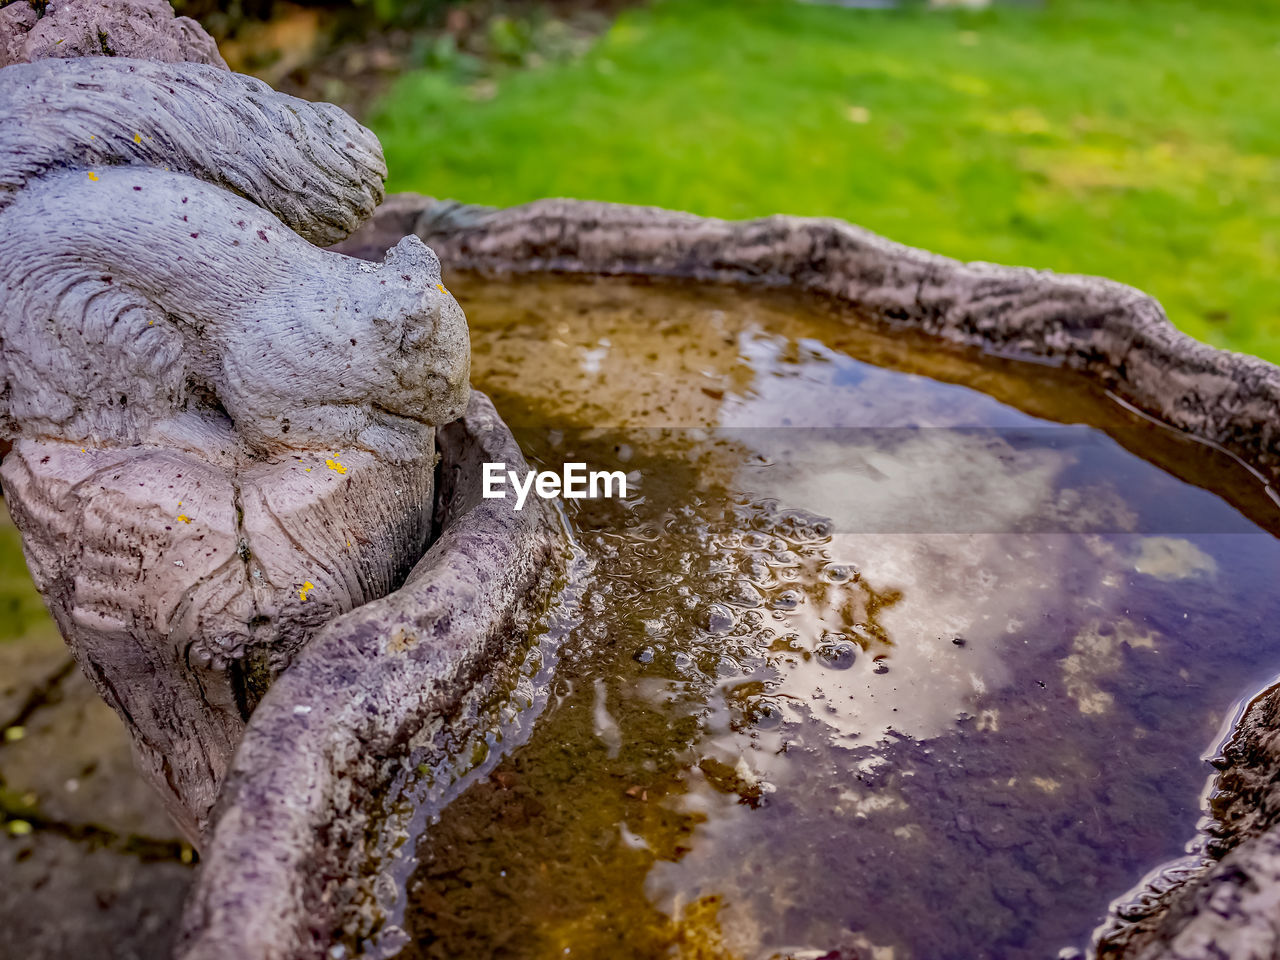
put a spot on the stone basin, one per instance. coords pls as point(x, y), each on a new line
point(327, 823)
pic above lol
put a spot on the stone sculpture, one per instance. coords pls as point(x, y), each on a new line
point(224, 436)
point(226, 458)
point(245, 492)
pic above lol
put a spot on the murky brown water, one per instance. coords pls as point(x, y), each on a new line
point(892, 651)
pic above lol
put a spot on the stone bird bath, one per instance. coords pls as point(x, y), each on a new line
point(247, 469)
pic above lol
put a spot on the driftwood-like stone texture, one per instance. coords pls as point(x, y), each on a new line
point(1229, 908)
point(223, 435)
point(290, 844)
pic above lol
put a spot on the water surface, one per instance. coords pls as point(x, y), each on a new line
point(893, 650)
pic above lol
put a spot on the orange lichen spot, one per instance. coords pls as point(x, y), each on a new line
point(93, 176)
point(308, 469)
point(137, 138)
point(306, 588)
point(440, 287)
point(335, 466)
point(183, 518)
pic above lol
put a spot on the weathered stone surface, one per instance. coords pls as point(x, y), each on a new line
point(223, 435)
point(309, 164)
point(102, 28)
point(294, 817)
point(1226, 905)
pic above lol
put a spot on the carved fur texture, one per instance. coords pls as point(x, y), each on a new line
point(224, 436)
point(310, 164)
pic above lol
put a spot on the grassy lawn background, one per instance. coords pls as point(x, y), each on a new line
point(1130, 138)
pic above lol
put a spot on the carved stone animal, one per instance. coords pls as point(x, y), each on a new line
point(223, 435)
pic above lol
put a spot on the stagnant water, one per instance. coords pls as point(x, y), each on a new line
point(892, 651)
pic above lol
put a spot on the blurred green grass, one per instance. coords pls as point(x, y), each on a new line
point(1130, 138)
point(22, 612)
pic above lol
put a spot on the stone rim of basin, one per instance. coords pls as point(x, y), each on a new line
point(289, 831)
point(1111, 334)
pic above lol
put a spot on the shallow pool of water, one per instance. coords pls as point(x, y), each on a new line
point(893, 650)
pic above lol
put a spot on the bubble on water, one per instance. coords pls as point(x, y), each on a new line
point(743, 594)
point(644, 655)
point(787, 600)
point(837, 652)
point(720, 619)
point(881, 664)
point(839, 573)
point(686, 666)
point(765, 713)
point(801, 526)
point(654, 627)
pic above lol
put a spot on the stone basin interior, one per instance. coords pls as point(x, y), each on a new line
point(894, 649)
